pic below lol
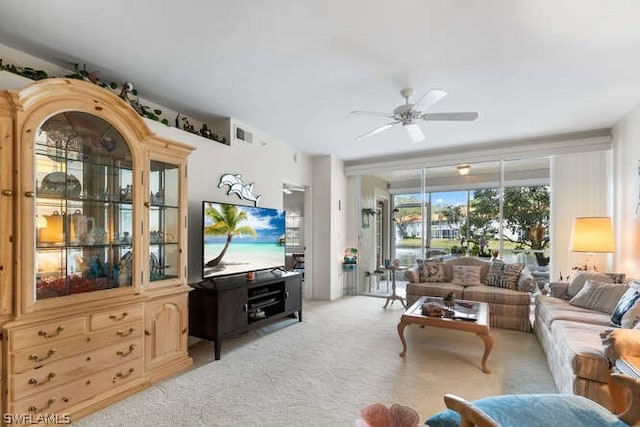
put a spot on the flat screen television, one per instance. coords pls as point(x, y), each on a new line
point(238, 239)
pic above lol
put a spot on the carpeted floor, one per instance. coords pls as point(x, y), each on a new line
point(322, 371)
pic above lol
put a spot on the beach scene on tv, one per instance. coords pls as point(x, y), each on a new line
point(238, 239)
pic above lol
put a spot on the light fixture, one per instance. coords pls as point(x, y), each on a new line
point(290, 188)
point(464, 169)
point(592, 235)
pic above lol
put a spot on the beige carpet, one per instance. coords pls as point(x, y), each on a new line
point(322, 371)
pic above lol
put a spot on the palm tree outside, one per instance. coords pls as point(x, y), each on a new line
point(226, 223)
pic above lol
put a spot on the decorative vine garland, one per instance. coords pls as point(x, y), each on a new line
point(127, 92)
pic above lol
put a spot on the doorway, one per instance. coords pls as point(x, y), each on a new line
point(293, 204)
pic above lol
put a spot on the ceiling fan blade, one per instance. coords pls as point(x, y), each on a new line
point(414, 132)
point(377, 130)
point(463, 117)
point(429, 99)
point(374, 113)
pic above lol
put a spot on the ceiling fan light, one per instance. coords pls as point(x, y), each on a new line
point(464, 169)
point(414, 132)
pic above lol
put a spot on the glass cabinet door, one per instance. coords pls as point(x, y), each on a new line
point(83, 206)
point(164, 204)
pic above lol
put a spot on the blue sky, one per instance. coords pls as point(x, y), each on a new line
point(445, 199)
point(269, 224)
point(449, 198)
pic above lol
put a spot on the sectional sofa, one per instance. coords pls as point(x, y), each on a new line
point(570, 338)
point(508, 308)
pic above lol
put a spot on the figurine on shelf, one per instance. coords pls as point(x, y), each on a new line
point(124, 275)
point(127, 87)
point(187, 126)
point(159, 196)
point(205, 132)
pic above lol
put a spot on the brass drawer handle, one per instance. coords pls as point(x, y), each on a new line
point(44, 408)
point(116, 318)
point(122, 376)
point(29, 194)
point(35, 382)
point(147, 332)
point(123, 354)
point(45, 334)
point(7, 192)
point(127, 333)
point(37, 358)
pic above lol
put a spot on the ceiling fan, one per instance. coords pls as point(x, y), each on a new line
point(408, 115)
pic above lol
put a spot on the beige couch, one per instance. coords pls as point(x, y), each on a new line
point(570, 339)
point(508, 308)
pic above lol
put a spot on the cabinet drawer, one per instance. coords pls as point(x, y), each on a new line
point(74, 392)
point(47, 332)
point(111, 318)
point(55, 373)
point(29, 358)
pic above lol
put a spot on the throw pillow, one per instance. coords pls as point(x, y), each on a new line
point(466, 275)
point(578, 281)
point(626, 302)
point(631, 318)
point(432, 271)
point(599, 296)
point(503, 275)
point(526, 281)
point(495, 273)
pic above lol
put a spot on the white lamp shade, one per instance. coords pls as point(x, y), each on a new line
point(592, 234)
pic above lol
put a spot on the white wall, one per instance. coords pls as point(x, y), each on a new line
point(371, 187)
point(267, 166)
point(580, 186)
point(329, 226)
point(626, 174)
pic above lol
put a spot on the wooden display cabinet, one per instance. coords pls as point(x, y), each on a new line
point(166, 333)
point(93, 257)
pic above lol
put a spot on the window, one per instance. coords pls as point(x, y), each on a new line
point(292, 230)
point(479, 214)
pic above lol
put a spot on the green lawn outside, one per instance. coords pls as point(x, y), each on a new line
point(447, 243)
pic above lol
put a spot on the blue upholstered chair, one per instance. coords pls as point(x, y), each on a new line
point(524, 410)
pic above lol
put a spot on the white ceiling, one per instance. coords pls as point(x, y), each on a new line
point(294, 69)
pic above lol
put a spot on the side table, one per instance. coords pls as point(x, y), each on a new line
point(626, 375)
point(349, 279)
point(392, 270)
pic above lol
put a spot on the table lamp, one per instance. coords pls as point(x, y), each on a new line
point(592, 235)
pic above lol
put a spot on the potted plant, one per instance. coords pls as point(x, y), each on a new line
point(350, 256)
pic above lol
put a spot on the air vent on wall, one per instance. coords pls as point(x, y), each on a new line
point(244, 135)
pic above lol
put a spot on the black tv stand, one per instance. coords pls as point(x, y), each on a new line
point(225, 306)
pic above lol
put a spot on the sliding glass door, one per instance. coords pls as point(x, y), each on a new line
point(484, 209)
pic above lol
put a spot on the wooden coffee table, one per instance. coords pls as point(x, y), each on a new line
point(467, 309)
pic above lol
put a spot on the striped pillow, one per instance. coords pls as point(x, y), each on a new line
point(503, 275)
point(599, 296)
point(495, 273)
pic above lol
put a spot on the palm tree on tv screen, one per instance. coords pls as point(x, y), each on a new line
point(225, 223)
